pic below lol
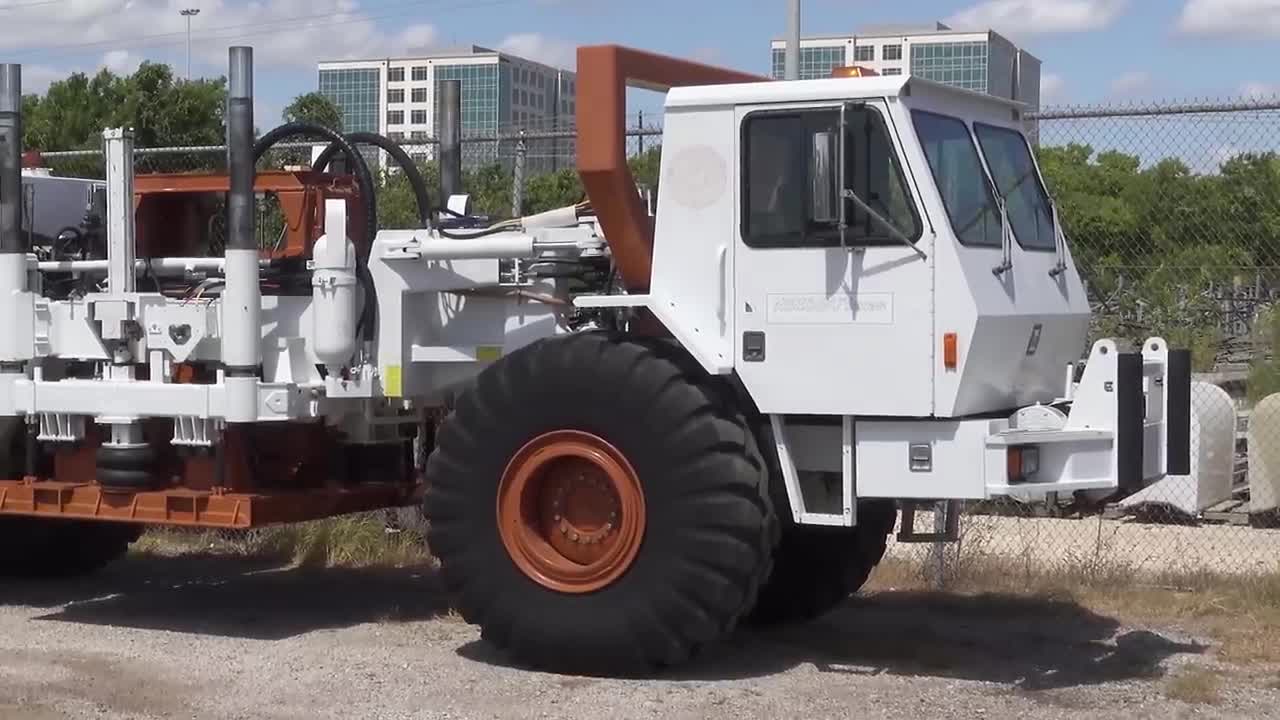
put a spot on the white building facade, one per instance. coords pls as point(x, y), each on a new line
point(984, 61)
point(399, 97)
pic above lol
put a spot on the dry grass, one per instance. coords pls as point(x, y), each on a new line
point(350, 541)
point(1196, 685)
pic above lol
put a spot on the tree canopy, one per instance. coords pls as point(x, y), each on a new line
point(161, 109)
point(316, 108)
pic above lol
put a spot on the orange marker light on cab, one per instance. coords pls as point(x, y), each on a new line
point(853, 71)
point(950, 351)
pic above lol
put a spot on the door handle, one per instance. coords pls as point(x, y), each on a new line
point(722, 260)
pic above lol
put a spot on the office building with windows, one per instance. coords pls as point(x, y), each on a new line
point(983, 61)
point(400, 98)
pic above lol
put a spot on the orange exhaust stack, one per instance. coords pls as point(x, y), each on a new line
point(604, 74)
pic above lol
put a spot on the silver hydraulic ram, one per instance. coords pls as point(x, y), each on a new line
point(242, 298)
point(15, 344)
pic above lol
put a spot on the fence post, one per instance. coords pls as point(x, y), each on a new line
point(640, 133)
point(517, 177)
point(450, 133)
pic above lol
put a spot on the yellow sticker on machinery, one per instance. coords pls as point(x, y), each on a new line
point(392, 381)
point(488, 353)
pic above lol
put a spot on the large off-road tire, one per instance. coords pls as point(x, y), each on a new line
point(815, 569)
point(597, 508)
point(55, 548)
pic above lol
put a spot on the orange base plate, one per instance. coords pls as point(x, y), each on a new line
point(200, 508)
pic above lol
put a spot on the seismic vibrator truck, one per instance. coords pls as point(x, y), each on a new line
point(631, 429)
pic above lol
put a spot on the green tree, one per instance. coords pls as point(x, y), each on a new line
point(160, 109)
point(314, 107)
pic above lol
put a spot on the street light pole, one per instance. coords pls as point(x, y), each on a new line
point(189, 13)
point(793, 40)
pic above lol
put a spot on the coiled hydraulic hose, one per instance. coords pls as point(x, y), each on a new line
point(368, 314)
point(401, 158)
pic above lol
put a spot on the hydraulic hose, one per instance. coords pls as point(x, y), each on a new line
point(401, 158)
point(368, 314)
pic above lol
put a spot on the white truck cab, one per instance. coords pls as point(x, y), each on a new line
point(881, 255)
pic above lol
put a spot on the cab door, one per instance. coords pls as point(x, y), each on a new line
point(833, 309)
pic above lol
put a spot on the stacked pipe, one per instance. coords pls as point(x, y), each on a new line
point(242, 298)
point(13, 250)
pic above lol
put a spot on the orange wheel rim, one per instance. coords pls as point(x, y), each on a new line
point(571, 511)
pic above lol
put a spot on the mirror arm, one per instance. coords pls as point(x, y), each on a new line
point(893, 230)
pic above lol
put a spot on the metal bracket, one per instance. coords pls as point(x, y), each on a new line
point(949, 527)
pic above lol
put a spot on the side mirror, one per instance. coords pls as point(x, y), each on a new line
point(826, 191)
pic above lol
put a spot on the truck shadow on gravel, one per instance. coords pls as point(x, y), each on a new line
point(1026, 643)
point(233, 596)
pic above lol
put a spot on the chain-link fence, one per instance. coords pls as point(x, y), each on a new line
point(1173, 215)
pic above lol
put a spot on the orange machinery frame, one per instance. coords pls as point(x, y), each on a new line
point(171, 206)
point(604, 74)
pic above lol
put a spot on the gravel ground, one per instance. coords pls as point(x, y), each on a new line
point(211, 637)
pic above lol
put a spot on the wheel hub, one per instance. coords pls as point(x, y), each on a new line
point(571, 511)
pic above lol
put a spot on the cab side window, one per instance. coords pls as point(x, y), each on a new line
point(781, 183)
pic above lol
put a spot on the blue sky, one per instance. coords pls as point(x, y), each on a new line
point(1093, 50)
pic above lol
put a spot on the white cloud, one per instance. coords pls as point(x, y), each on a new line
point(1052, 88)
point(540, 48)
point(121, 62)
point(284, 33)
point(1257, 18)
point(1260, 90)
point(1134, 82)
point(1033, 17)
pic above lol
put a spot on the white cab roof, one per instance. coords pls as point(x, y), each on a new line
point(798, 91)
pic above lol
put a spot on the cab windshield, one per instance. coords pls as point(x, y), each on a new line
point(957, 171)
point(1016, 178)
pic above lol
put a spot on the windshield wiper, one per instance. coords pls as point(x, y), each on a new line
point(894, 232)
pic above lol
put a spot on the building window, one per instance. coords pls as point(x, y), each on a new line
point(418, 117)
point(891, 52)
point(780, 193)
point(524, 98)
point(395, 74)
point(358, 93)
point(892, 71)
point(815, 62)
point(959, 64)
point(418, 135)
point(395, 96)
point(864, 53)
point(395, 135)
point(542, 82)
point(538, 104)
point(420, 73)
point(419, 95)
point(395, 117)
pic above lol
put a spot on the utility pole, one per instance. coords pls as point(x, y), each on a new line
point(189, 13)
point(793, 40)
